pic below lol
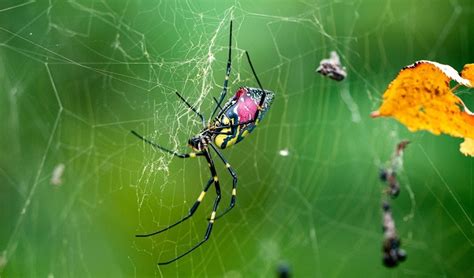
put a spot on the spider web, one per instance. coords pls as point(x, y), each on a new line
point(77, 76)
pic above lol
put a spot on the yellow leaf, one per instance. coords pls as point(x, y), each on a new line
point(421, 99)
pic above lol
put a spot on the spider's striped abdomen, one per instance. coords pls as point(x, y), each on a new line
point(241, 108)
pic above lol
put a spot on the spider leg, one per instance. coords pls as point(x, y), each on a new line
point(234, 182)
point(193, 109)
point(227, 73)
point(264, 94)
point(213, 214)
point(217, 103)
point(180, 155)
point(190, 213)
point(220, 107)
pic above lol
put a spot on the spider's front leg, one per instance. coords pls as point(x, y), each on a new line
point(264, 93)
point(227, 74)
point(180, 155)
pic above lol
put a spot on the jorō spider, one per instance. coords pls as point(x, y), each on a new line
point(228, 125)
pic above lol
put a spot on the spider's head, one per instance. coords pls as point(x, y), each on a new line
point(200, 141)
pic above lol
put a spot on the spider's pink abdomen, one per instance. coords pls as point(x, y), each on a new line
point(246, 107)
point(242, 108)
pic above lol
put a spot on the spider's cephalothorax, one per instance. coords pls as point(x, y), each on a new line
point(228, 125)
point(200, 141)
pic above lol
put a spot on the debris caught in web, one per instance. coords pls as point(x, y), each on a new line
point(284, 152)
point(332, 67)
point(422, 99)
point(389, 173)
point(56, 178)
point(392, 253)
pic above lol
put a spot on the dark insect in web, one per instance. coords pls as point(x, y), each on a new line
point(228, 124)
point(332, 67)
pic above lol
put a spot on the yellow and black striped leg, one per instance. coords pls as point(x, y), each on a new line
point(234, 182)
point(206, 235)
point(180, 155)
point(213, 214)
point(192, 210)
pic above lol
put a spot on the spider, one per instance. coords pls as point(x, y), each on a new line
point(228, 125)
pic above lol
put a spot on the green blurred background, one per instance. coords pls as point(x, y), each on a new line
point(76, 76)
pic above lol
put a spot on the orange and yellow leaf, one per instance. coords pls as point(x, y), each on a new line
point(421, 99)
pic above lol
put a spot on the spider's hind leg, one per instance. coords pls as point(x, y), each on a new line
point(192, 210)
point(213, 214)
point(234, 182)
